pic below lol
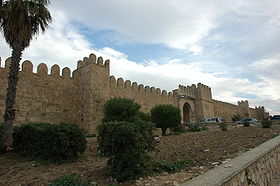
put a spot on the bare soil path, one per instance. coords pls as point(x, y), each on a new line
point(207, 149)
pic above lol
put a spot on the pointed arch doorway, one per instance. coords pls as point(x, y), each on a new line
point(186, 113)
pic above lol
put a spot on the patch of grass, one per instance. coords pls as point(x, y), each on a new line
point(197, 127)
point(223, 126)
point(171, 167)
point(70, 180)
point(266, 123)
point(180, 129)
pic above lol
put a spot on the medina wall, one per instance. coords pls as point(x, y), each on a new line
point(59, 97)
point(225, 110)
point(42, 97)
point(146, 96)
point(203, 102)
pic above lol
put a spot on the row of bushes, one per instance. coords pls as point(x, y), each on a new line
point(122, 109)
point(48, 142)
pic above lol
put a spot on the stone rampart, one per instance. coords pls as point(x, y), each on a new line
point(225, 110)
point(59, 96)
point(203, 102)
point(42, 97)
point(146, 96)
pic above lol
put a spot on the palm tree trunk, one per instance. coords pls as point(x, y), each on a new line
point(11, 96)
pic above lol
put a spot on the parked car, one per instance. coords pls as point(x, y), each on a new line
point(275, 118)
point(211, 120)
point(249, 120)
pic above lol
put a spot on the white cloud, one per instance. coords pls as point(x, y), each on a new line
point(175, 25)
point(178, 24)
point(196, 49)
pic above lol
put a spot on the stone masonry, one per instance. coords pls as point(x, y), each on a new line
point(79, 97)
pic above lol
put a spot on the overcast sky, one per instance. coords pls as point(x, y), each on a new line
point(231, 46)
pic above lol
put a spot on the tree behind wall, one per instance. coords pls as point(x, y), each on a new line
point(20, 21)
point(166, 116)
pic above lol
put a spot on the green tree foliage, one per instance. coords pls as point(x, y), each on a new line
point(49, 142)
point(125, 136)
point(20, 21)
point(126, 144)
point(166, 116)
point(143, 116)
point(120, 109)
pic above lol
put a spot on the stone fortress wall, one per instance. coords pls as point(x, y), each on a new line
point(42, 96)
point(79, 97)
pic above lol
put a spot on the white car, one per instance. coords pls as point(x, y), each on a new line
point(211, 120)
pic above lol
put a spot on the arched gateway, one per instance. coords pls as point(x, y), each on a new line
point(186, 113)
point(186, 105)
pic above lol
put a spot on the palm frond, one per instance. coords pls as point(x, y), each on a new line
point(20, 20)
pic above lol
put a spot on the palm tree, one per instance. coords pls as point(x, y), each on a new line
point(20, 21)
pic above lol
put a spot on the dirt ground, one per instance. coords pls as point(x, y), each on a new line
point(206, 149)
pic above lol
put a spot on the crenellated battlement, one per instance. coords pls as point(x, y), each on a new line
point(92, 60)
point(203, 92)
point(188, 91)
point(42, 69)
point(203, 87)
point(243, 103)
point(121, 84)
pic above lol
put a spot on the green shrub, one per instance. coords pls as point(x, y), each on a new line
point(266, 123)
point(143, 116)
point(236, 117)
point(120, 109)
point(197, 127)
point(69, 180)
point(49, 142)
point(2, 131)
point(246, 123)
point(223, 126)
point(126, 145)
point(178, 129)
point(170, 167)
point(129, 165)
point(166, 116)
